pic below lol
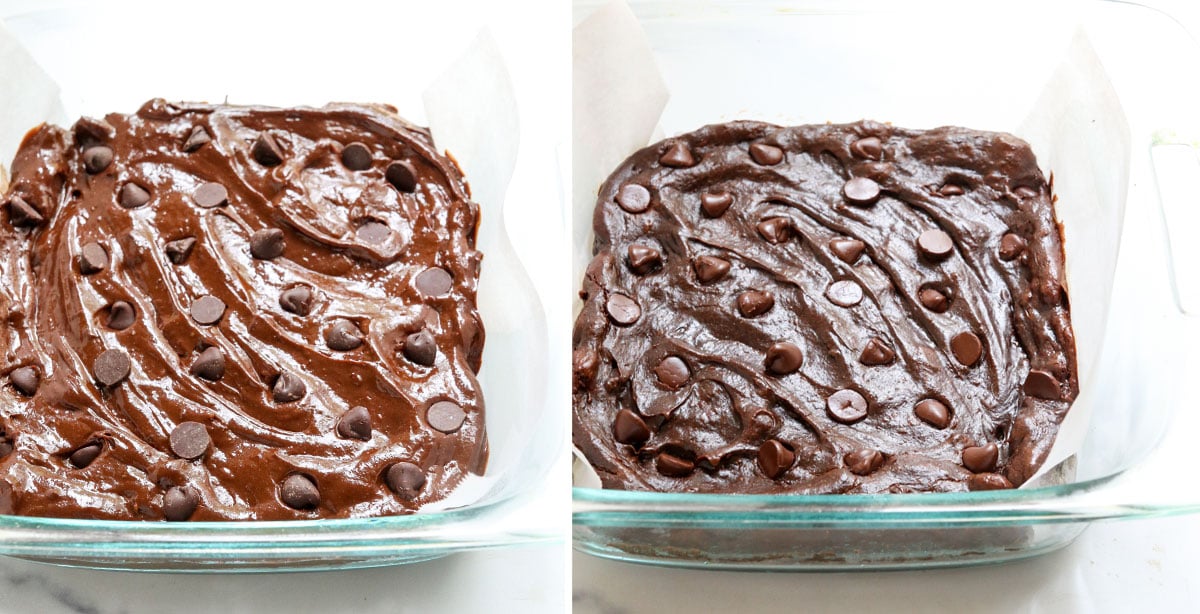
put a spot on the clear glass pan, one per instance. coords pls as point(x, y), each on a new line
point(958, 60)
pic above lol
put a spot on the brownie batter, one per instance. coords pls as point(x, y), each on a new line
point(849, 308)
point(223, 313)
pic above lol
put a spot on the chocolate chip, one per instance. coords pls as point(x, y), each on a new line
point(86, 454)
point(211, 194)
point(288, 388)
point(714, 204)
point(297, 300)
point(633, 198)
point(190, 440)
point(1043, 385)
point(1025, 191)
point(672, 372)
point(267, 244)
point(299, 492)
point(585, 364)
point(867, 148)
point(196, 139)
point(445, 416)
point(402, 176)
point(846, 406)
point(784, 358)
point(373, 232)
point(22, 214)
point(644, 259)
point(343, 335)
point(934, 412)
point(120, 316)
point(1011, 246)
point(988, 481)
point(133, 196)
point(111, 367)
point(863, 461)
point(630, 429)
point(179, 503)
point(774, 458)
point(622, 310)
point(981, 459)
point(933, 299)
point(89, 131)
point(861, 191)
point(966, 348)
point(434, 281)
point(673, 466)
point(775, 230)
point(710, 268)
point(844, 293)
point(677, 155)
point(209, 365)
point(752, 303)
point(420, 348)
point(356, 157)
point(92, 259)
point(766, 155)
point(179, 250)
point(876, 353)
point(355, 424)
point(207, 310)
point(405, 479)
point(847, 250)
point(266, 151)
point(97, 158)
point(935, 244)
point(951, 189)
point(25, 380)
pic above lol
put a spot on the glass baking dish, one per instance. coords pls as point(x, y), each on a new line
point(921, 65)
point(510, 503)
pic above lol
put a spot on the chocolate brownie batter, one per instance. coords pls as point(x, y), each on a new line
point(224, 313)
point(848, 308)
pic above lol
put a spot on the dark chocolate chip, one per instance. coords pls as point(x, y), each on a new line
point(846, 406)
point(111, 367)
point(421, 348)
point(1011, 246)
point(299, 492)
point(92, 259)
point(434, 281)
point(97, 158)
point(288, 388)
point(967, 348)
point(844, 293)
point(585, 364)
point(951, 189)
point(21, 214)
point(935, 244)
point(179, 250)
point(25, 380)
point(861, 191)
point(644, 259)
point(753, 303)
point(710, 268)
point(209, 365)
point(876, 353)
point(784, 358)
point(934, 300)
point(266, 151)
point(190, 440)
point(622, 310)
point(445, 416)
point(179, 503)
point(207, 310)
point(133, 196)
point(677, 155)
point(774, 458)
point(775, 230)
point(402, 176)
point(267, 244)
point(714, 204)
point(933, 412)
point(981, 459)
point(672, 466)
point(1043, 385)
point(297, 300)
point(89, 131)
point(120, 316)
point(405, 479)
point(988, 481)
point(863, 461)
point(630, 429)
point(847, 250)
point(355, 424)
point(356, 157)
point(766, 155)
point(672, 372)
point(196, 139)
point(633, 198)
point(211, 194)
point(373, 232)
point(343, 335)
point(86, 454)
point(867, 148)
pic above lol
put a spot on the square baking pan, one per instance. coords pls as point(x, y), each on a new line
point(982, 66)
